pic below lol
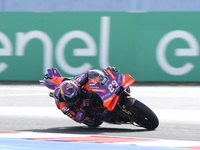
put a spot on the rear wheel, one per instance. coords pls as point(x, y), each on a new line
point(143, 115)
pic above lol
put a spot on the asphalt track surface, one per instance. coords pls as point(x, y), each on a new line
point(29, 108)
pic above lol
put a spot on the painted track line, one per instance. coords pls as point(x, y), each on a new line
point(91, 140)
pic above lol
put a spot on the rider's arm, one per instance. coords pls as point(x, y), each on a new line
point(62, 105)
point(67, 111)
point(82, 111)
point(81, 80)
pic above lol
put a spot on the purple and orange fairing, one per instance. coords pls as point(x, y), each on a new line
point(111, 99)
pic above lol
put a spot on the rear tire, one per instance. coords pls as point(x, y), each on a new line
point(143, 115)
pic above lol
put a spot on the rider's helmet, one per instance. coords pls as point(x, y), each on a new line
point(70, 92)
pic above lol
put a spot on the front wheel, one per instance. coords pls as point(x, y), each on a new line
point(143, 115)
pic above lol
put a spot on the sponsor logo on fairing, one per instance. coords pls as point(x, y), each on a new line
point(119, 78)
point(99, 90)
point(123, 81)
point(106, 95)
point(110, 98)
point(111, 74)
point(93, 87)
point(128, 83)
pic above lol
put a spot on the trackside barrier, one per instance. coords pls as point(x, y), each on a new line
point(151, 46)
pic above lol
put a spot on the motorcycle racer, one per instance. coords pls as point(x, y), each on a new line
point(71, 99)
point(99, 96)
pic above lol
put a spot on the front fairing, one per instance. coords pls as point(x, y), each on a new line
point(108, 91)
point(105, 87)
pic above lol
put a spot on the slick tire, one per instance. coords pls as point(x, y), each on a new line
point(143, 115)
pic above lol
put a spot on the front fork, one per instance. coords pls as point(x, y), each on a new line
point(127, 102)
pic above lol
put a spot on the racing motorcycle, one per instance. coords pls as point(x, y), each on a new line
point(110, 99)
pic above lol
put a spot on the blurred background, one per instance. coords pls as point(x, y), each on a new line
point(153, 40)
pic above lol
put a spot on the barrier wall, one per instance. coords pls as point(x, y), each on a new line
point(151, 46)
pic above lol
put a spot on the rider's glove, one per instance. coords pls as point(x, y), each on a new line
point(112, 68)
point(80, 116)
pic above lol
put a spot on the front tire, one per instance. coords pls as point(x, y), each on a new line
point(143, 115)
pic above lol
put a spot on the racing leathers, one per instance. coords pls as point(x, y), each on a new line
point(78, 111)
